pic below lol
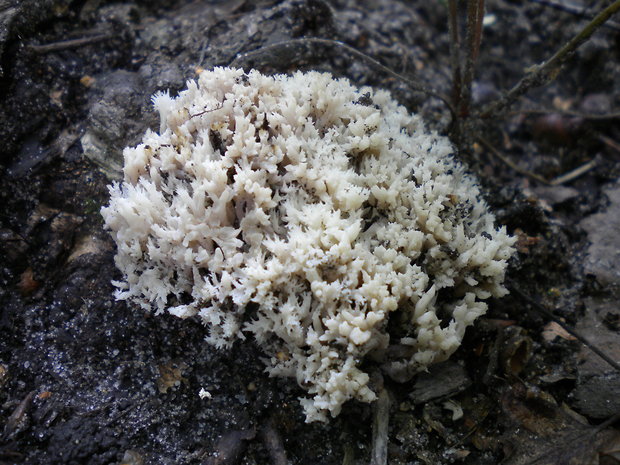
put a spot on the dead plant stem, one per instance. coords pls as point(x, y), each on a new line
point(542, 74)
point(475, 15)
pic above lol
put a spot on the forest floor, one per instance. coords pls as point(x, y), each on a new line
point(87, 379)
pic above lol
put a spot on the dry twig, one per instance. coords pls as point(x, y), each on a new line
point(542, 74)
point(71, 43)
point(475, 15)
point(576, 114)
point(292, 50)
point(609, 142)
point(578, 11)
point(509, 162)
point(574, 174)
point(564, 178)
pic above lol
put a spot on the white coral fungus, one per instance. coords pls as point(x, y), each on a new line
point(306, 212)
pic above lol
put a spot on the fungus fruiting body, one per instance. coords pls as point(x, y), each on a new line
point(306, 212)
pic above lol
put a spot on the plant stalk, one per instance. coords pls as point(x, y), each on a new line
point(543, 73)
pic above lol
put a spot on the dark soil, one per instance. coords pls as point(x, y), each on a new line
point(86, 379)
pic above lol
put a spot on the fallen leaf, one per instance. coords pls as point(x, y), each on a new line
point(553, 330)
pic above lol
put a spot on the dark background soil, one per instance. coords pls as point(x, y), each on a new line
point(85, 379)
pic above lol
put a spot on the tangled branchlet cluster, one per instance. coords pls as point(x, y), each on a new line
point(307, 213)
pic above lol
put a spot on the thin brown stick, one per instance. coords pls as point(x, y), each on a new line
point(577, 114)
point(609, 142)
point(542, 74)
point(510, 163)
point(72, 43)
point(475, 15)
point(293, 49)
point(562, 179)
point(574, 10)
point(574, 174)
